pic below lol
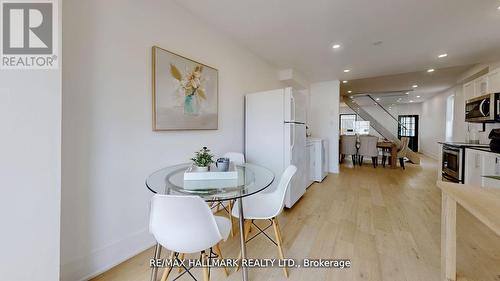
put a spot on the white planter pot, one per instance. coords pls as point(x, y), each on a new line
point(201, 169)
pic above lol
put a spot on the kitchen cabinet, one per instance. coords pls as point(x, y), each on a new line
point(481, 86)
point(317, 149)
point(311, 157)
point(473, 167)
point(486, 84)
point(469, 91)
point(479, 164)
point(494, 81)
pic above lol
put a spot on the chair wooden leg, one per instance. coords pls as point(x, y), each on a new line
point(246, 227)
point(204, 257)
point(279, 241)
point(231, 217)
point(219, 254)
point(167, 270)
point(180, 267)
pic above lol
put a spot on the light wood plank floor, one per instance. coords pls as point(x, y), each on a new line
point(386, 221)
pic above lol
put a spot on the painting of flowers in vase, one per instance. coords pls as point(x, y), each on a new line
point(185, 93)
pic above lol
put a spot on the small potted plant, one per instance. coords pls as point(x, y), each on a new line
point(202, 160)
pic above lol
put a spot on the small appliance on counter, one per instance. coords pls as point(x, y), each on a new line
point(495, 140)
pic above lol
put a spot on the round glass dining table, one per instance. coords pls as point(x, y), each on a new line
point(251, 180)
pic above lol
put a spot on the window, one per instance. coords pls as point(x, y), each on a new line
point(407, 126)
point(450, 104)
point(362, 127)
point(347, 124)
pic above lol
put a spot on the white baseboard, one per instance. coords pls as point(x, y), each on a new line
point(103, 259)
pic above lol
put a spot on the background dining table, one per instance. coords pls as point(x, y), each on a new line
point(251, 180)
point(393, 148)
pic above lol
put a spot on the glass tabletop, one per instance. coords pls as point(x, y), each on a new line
point(170, 180)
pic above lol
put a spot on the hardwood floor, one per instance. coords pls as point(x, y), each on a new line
point(386, 221)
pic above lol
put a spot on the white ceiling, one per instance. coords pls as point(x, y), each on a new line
point(391, 88)
point(299, 33)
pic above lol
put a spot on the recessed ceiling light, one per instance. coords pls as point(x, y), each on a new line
point(345, 81)
point(347, 70)
point(377, 98)
point(418, 97)
point(407, 93)
point(442, 56)
point(411, 101)
point(415, 86)
point(349, 91)
point(498, 7)
point(336, 46)
point(430, 70)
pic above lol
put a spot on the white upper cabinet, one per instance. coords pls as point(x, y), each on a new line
point(487, 84)
point(481, 86)
point(469, 91)
point(494, 81)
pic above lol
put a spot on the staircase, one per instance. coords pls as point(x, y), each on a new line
point(377, 126)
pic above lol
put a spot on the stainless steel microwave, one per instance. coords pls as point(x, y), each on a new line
point(483, 109)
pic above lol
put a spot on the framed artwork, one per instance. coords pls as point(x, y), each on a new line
point(185, 93)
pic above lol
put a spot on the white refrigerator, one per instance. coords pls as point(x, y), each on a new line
point(275, 136)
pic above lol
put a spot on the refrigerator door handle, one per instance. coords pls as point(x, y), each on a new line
point(292, 136)
point(292, 107)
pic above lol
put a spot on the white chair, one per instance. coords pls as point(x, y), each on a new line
point(348, 147)
point(267, 206)
point(235, 157)
point(192, 230)
point(368, 147)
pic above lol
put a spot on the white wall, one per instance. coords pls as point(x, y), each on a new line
point(324, 117)
point(108, 145)
point(434, 121)
point(30, 177)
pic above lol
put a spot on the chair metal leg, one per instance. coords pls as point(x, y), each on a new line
point(374, 162)
point(353, 160)
point(402, 162)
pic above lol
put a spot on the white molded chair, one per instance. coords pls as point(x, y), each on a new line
point(192, 230)
point(267, 206)
point(235, 157)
